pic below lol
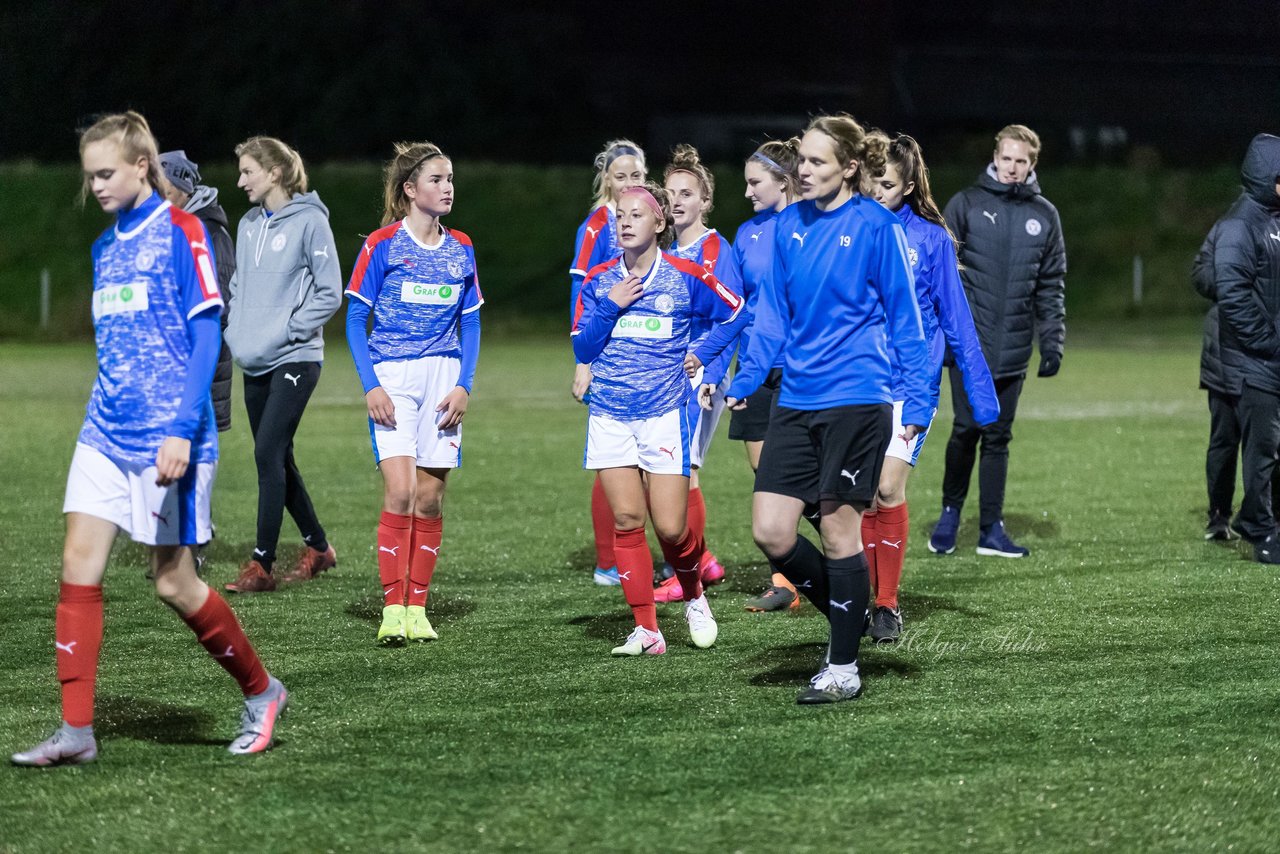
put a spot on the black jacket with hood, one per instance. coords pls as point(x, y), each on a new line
point(204, 204)
point(1246, 267)
point(1220, 356)
point(1013, 262)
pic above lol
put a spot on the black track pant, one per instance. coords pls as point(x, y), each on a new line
point(962, 449)
point(1224, 447)
point(275, 402)
point(1260, 431)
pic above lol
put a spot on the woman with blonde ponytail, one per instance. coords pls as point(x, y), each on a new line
point(838, 302)
point(417, 278)
point(287, 284)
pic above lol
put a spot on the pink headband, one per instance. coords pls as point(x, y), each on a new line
point(648, 200)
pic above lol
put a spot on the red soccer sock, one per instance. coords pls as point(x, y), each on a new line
point(395, 535)
point(697, 517)
point(78, 638)
point(219, 632)
point(891, 552)
point(635, 571)
point(427, 535)
point(602, 525)
point(869, 540)
point(683, 555)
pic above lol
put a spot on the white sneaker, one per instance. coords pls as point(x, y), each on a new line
point(831, 687)
point(642, 642)
point(702, 626)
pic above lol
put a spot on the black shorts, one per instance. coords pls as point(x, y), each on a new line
point(827, 454)
point(750, 424)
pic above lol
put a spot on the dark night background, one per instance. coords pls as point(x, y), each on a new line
point(545, 82)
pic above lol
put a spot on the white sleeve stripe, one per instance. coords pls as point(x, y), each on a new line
point(573, 270)
point(475, 307)
point(204, 306)
point(360, 297)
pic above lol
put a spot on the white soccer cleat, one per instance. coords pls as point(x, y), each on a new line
point(642, 642)
point(830, 686)
point(67, 746)
point(702, 626)
point(258, 720)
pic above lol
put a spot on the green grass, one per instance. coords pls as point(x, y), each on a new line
point(1116, 690)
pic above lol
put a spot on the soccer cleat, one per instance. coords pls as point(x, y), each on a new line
point(641, 641)
point(943, 539)
point(606, 577)
point(711, 572)
point(67, 746)
point(994, 542)
point(1219, 528)
point(774, 598)
point(661, 575)
point(258, 720)
point(702, 626)
point(886, 624)
point(830, 687)
point(310, 563)
point(253, 579)
point(418, 627)
point(392, 632)
point(1268, 550)
point(669, 591)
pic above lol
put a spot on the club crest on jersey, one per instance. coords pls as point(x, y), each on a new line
point(664, 303)
point(1033, 227)
point(278, 242)
point(145, 259)
point(455, 269)
point(913, 256)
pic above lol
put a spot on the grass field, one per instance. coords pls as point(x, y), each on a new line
point(1116, 690)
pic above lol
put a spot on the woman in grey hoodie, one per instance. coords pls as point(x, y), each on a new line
point(286, 285)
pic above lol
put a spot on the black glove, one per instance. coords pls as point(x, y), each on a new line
point(1049, 364)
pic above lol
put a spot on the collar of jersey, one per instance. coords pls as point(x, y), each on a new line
point(622, 265)
point(140, 211)
point(444, 234)
point(702, 238)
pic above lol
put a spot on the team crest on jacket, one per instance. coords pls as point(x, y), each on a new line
point(145, 259)
point(664, 303)
point(1033, 227)
point(455, 269)
point(277, 242)
point(912, 255)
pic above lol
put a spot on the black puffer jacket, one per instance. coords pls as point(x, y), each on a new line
point(1220, 355)
point(1014, 263)
point(204, 204)
point(1246, 267)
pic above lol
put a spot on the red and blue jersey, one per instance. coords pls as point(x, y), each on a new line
point(944, 309)
point(418, 292)
point(838, 295)
point(637, 353)
point(153, 273)
point(714, 253)
point(595, 243)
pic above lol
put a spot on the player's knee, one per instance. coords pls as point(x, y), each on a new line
point(891, 495)
point(428, 506)
point(669, 531)
point(627, 520)
point(773, 539)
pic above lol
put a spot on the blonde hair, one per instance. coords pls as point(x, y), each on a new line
point(684, 158)
point(854, 142)
point(612, 151)
point(400, 170)
point(132, 135)
point(1021, 133)
point(271, 154)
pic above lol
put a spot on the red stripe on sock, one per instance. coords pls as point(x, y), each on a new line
point(219, 632)
point(78, 640)
point(395, 535)
point(427, 536)
point(683, 555)
point(892, 528)
point(635, 571)
point(602, 525)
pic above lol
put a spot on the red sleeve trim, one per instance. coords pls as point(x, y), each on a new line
point(194, 231)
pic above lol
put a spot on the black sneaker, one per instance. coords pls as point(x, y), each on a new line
point(1268, 550)
point(1219, 528)
point(1240, 532)
point(886, 624)
point(774, 598)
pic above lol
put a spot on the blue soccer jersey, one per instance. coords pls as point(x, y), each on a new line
point(714, 253)
point(753, 252)
point(839, 291)
point(418, 292)
point(637, 353)
point(595, 243)
point(152, 273)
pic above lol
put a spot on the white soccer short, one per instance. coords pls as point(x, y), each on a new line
point(659, 445)
point(704, 422)
point(126, 495)
point(416, 387)
point(899, 447)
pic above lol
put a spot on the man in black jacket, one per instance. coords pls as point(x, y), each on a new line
point(1013, 264)
point(1246, 269)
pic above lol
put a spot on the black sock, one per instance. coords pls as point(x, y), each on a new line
point(266, 557)
point(850, 588)
point(813, 515)
point(317, 541)
point(802, 566)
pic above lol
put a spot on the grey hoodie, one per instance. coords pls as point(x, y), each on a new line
point(286, 285)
